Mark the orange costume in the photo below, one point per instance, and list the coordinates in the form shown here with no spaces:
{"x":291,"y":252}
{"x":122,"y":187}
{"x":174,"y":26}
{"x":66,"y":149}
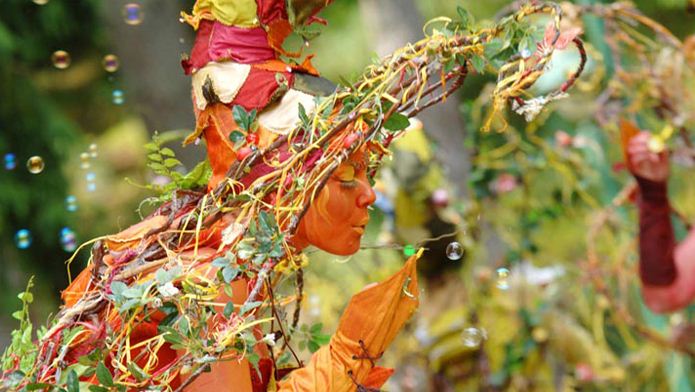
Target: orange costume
{"x":234,"y":64}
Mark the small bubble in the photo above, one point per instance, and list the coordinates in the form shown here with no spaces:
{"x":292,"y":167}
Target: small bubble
{"x":110,"y":63}
{"x":93,"y":152}
{"x":525,"y":53}
{"x":408,"y":250}
{"x":117,"y":97}
{"x":91,"y":186}
{"x":40,"y":2}
{"x":84,"y":161}
{"x":454,"y":251}
{"x":10,"y":161}
{"x":68,"y":240}
{"x":22,"y":239}
{"x":35,"y":164}
{"x":90,"y":177}
{"x":71,"y":203}
{"x":503,"y":278}
{"x":472,"y":337}
{"x":182,"y":41}
{"x":60,"y":59}
{"x":132,"y":14}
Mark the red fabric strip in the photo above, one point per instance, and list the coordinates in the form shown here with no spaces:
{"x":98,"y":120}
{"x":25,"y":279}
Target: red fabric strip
{"x":216,"y":41}
{"x":261,"y":88}
{"x":656,"y":239}
{"x":269,"y":10}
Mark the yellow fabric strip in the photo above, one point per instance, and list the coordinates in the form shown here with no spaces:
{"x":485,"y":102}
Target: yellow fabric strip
{"x":242,"y":13}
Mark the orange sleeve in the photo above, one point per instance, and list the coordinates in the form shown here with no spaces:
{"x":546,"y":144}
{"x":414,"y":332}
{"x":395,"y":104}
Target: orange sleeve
{"x":369,"y":324}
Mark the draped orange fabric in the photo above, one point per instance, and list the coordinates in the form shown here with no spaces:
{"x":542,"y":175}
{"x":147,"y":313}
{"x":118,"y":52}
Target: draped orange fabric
{"x":369,"y":324}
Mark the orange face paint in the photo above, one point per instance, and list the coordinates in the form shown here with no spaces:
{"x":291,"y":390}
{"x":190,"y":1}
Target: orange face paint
{"x":336,"y":221}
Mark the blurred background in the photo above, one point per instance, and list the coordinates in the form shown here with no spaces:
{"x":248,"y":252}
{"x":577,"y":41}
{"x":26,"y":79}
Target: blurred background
{"x":508,"y":301}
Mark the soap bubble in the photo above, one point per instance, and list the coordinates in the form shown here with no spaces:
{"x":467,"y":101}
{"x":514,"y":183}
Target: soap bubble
{"x":110,"y":63}
{"x":132,"y":14}
{"x":84,"y":161}
{"x":10,"y":161}
{"x":68,"y":239}
{"x":60,"y":59}
{"x":22,"y":238}
{"x":40,"y":2}
{"x":90,"y":177}
{"x":117,"y":97}
{"x":91,"y":186}
{"x":502,"y":278}
{"x":454,"y":251}
{"x":93,"y":152}
{"x":71,"y":203}
{"x":35,"y":164}
{"x":472,"y":337}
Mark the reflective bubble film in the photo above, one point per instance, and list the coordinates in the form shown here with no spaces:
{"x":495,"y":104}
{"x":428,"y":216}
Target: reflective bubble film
{"x":454,"y":251}
{"x":117,"y":97}
{"x":10,"y":161}
{"x":110,"y":63}
{"x":93,"y":151}
{"x":68,"y":239}
{"x":61,"y":59}
{"x":71,"y":203}
{"x":502,"y":278}
{"x":22,"y":239}
{"x":35,"y":164}
{"x":84,"y":161}
{"x":472,"y":337}
{"x":132,"y":14}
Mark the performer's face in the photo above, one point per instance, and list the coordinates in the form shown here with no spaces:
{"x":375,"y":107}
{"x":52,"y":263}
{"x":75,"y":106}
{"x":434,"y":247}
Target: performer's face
{"x":336,"y":220}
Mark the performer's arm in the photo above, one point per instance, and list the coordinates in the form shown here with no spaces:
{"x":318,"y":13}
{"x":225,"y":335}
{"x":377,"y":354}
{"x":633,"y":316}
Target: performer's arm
{"x":667,"y":269}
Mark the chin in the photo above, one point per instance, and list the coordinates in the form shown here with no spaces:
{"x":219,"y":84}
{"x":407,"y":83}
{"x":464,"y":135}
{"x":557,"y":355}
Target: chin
{"x":342,"y":247}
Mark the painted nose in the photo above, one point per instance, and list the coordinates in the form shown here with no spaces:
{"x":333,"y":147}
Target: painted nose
{"x":366,"y":196}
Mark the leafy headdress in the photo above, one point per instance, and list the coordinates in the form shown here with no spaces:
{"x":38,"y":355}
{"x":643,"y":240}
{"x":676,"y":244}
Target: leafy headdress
{"x":164,"y":274}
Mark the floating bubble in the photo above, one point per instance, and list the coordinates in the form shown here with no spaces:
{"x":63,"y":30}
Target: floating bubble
{"x":408,"y":250}
{"x":502,"y":278}
{"x":182,"y":41}
{"x":91,"y":186}
{"x":117,"y":97}
{"x":472,"y":337}
{"x":40,"y":2}
{"x":454,"y":251}
{"x":71,"y":203}
{"x":60,"y":59}
{"x":22,"y":238}
{"x":90,"y":177}
{"x":10,"y":161}
{"x":93,"y":151}
{"x":84,"y":161}
{"x":110,"y":63}
{"x":35,"y":164}
{"x":132,"y":14}
{"x":68,"y":239}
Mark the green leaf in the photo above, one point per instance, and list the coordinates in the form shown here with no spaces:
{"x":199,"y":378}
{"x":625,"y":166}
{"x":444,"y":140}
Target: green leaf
{"x":303,"y":116}
{"x":313,"y":346}
{"x":171,"y":162}
{"x":184,"y":325}
{"x":139,"y":374}
{"x":220,"y":262}
{"x":166,"y":151}
{"x":237,"y":136}
{"x":316,"y":328}
{"x":228,"y":309}
{"x":396,"y":122}
{"x":478,"y":63}
{"x":117,"y":288}
{"x":154,"y":157}
{"x":248,"y":306}
{"x":73,"y":382}
{"x":104,"y":375}
{"x":96,"y":388}
{"x":19,"y":315}
{"x":157,"y":167}
{"x":26,"y":297}
{"x":151,"y":147}
{"x":229,"y":273}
